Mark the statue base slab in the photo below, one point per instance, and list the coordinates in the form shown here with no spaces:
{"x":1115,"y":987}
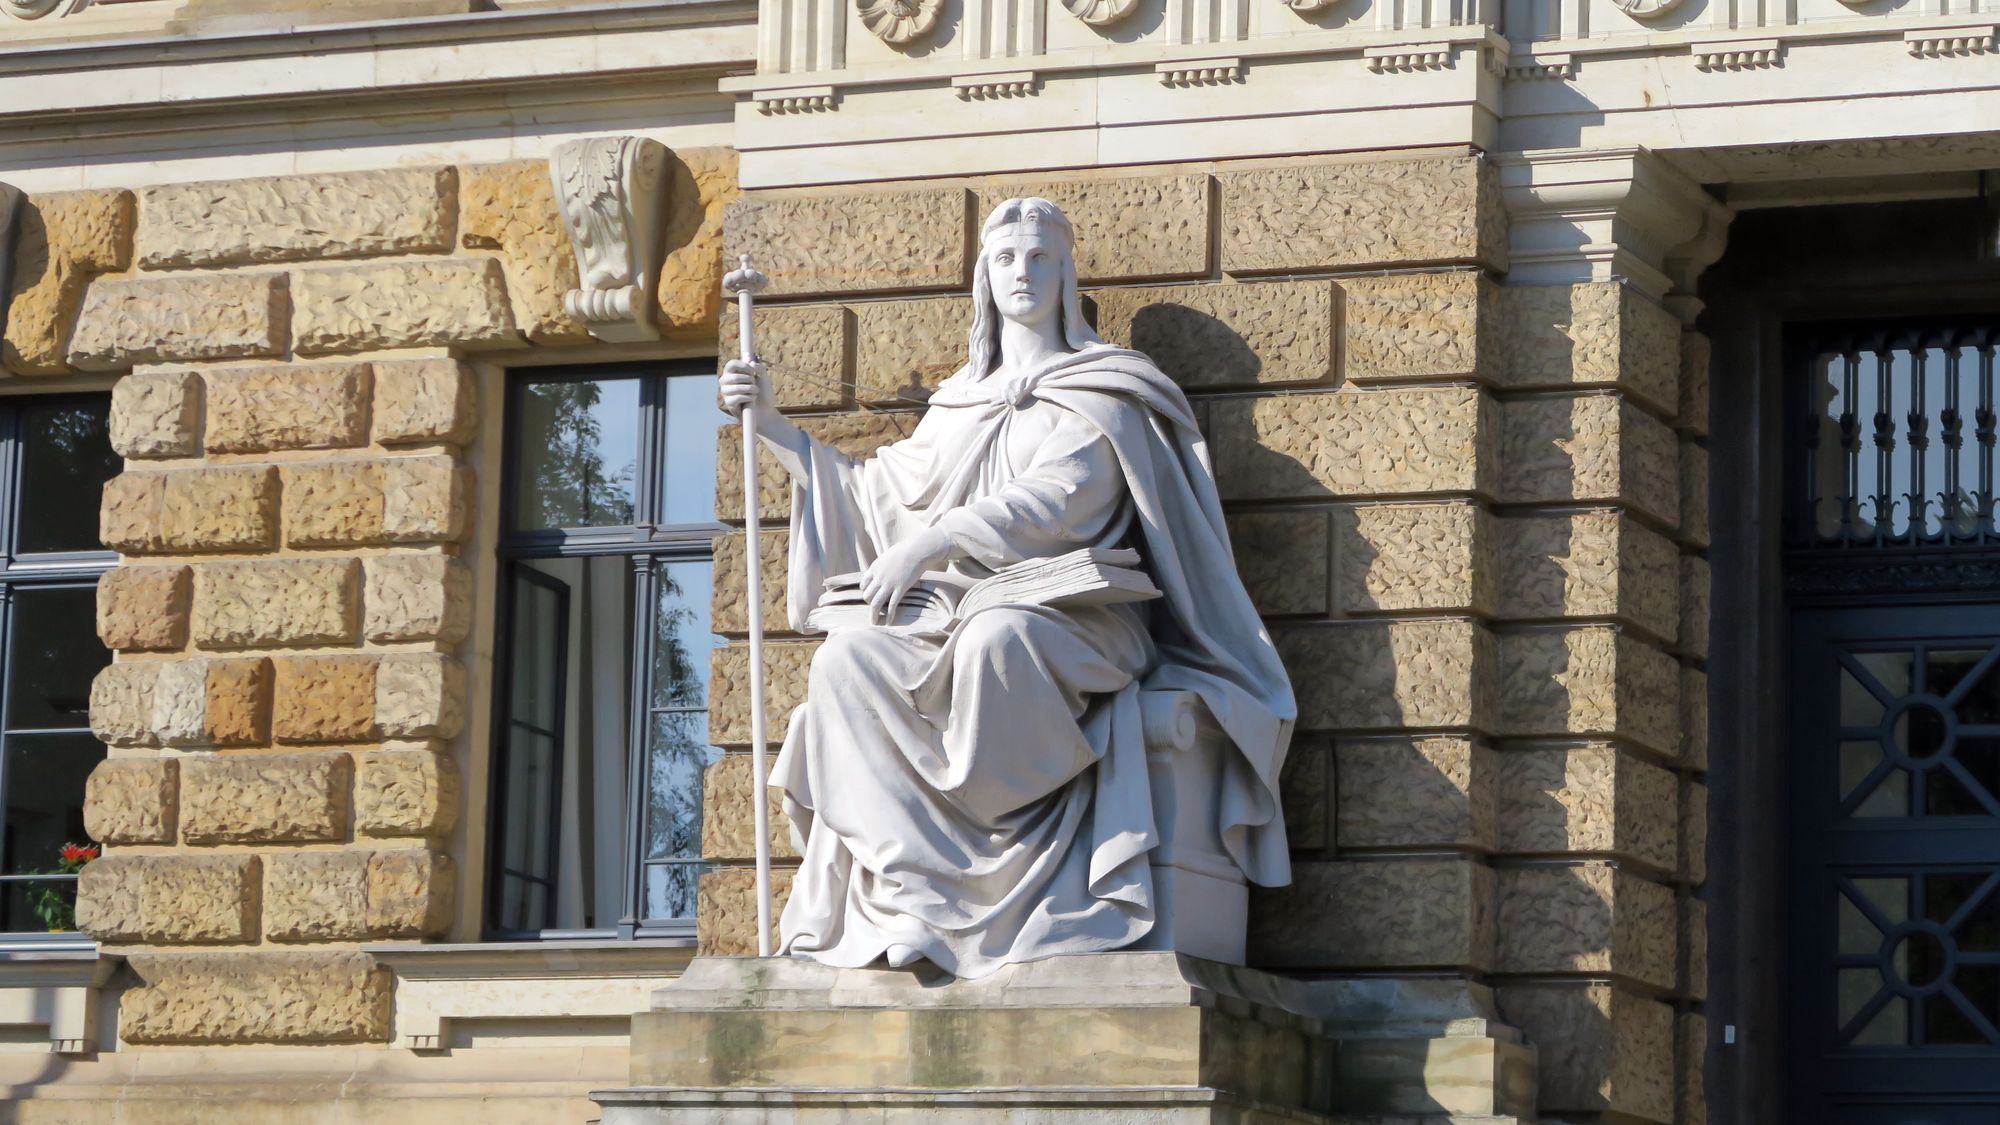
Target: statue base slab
{"x":1105,"y":1038}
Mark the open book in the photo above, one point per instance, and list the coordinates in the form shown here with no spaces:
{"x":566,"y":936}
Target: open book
{"x":940,"y":600}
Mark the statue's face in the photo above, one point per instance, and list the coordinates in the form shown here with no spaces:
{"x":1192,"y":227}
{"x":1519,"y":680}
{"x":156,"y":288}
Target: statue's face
{"x":1026,"y":272}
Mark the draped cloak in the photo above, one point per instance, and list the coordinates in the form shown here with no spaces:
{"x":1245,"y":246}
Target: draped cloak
{"x":982,"y":798}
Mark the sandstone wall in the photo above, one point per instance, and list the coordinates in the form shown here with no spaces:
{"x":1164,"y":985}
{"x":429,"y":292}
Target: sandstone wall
{"x":286,"y":708}
{"x":1471,"y":513}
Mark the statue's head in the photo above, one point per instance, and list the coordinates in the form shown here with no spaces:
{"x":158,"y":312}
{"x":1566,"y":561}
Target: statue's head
{"x":1026,"y":273}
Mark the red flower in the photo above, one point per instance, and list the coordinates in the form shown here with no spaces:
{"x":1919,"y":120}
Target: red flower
{"x":79,"y":853}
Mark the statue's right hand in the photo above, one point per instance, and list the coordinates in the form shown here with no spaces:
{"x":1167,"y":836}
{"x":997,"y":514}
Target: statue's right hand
{"x":743,"y":383}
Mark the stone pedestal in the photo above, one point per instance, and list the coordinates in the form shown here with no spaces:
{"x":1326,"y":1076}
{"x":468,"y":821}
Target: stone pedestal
{"x":1110,"y":1038}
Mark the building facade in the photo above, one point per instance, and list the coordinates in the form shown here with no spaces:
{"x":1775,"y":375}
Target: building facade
{"x":1602,"y":393}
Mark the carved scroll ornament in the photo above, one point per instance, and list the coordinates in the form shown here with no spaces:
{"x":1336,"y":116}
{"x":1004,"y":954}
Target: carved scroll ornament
{"x":897,"y":22}
{"x":611,"y":192}
{"x":1101,"y":13}
{"x":36,"y":9}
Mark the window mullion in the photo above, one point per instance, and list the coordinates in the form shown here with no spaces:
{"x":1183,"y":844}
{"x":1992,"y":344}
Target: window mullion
{"x":6,"y":709}
{"x":645,"y":607}
{"x":646,"y":491}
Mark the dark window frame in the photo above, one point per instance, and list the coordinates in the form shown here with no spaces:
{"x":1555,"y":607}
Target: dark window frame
{"x":41,"y":570}
{"x":647,"y":543}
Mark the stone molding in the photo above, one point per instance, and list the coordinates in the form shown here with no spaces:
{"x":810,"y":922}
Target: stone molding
{"x":612,"y":194}
{"x":54,"y":995}
{"x":439,"y":986}
{"x":1617,"y":215}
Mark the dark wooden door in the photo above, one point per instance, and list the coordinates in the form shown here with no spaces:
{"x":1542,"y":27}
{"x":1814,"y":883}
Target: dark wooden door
{"x":1895,"y":871}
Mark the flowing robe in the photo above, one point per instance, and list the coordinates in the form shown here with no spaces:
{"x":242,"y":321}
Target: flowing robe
{"x":982,"y":798}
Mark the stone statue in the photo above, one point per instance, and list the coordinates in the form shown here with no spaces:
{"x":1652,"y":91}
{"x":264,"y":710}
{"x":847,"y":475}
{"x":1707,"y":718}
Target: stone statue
{"x":983,"y":795}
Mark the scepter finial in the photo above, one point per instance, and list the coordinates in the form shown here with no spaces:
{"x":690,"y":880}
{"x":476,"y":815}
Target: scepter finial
{"x":744,"y":279}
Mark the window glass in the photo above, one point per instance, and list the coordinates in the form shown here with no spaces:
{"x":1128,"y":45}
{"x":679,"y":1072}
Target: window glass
{"x":688,"y":475}
{"x":53,"y":654}
{"x":602,"y":760}
{"x":66,"y":457}
{"x":578,"y":450}
{"x":43,"y":776}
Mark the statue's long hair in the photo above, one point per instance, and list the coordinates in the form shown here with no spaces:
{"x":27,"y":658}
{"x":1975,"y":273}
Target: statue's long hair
{"x":984,"y":352}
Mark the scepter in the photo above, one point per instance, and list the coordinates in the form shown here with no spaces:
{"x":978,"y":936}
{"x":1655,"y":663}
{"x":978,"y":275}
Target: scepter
{"x":744,"y":282}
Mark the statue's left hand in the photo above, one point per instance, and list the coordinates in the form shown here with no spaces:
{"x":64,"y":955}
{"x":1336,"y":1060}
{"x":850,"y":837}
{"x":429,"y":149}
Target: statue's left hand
{"x":890,"y":576}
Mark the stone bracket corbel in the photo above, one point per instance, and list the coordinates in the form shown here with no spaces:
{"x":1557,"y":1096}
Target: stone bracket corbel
{"x":1611,"y":215}
{"x":612,"y":192}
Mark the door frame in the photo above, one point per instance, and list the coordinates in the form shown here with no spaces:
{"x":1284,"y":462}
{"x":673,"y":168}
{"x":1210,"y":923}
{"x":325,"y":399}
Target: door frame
{"x":1782,"y":267}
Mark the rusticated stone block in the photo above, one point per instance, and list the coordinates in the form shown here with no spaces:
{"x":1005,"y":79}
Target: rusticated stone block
{"x":144,"y":607}
{"x":854,"y":243}
{"x":1693,"y":976}
{"x":728,"y":818}
{"x":1690,"y":1086}
{"x":61,"y":242}
{"x":180,"y":319}
{"x":121,"y":704}
{"x":1600,"y":1047}
{"x":511,"y":208}
{"x":1591,"y":800}
{"x":358,"y":895}
{"x":191,"y":510}
{"x":1694,"y":718}
{"x":128,"y":518}
{"x":1600,"y":333}
{"x":265,"y":798}
{"x":904,"y":349}
{"x":1400,"y":557}
{"x":1129,"y":227}
{"x":256,"y":998}
{"x":417,"y":598}
{"x":701,"y":184}
{"x":1284,"y":559}
{"x":726,"y":910}
{"x":236,"y":702}
{"x":183,"y":899}
{"x":310,"y":406}
{"x":1353,"y":443}
{"x":1694,"y":494}
{"x":1305,"y":791}
{"x":786,"y":667}
{"x":805,"y":347}
{"x":1694,"y":832}
{"x":181,"y":703}
{"x":1386,"y":675}
{"x":387,"y":500}
{"x":1414,"y":793}
{"x":1227,"y":335}
{"x":276,"y":603}
{"x":419,"y":695}
{"x":220,"y":509}
{"x":730,"y":611}
{"x":293,"y":218}
{"x":157,"y":415}
{"x":1376,"y":914}
{"x":1692,"y":416}
{"x":1589,"y":447}
{"x":1695,"y":593}
{"x":456,"y":302}
{"x":857,"y":435}
{"x":1586,"y":918}
{"x":405,"y":793}
{"x":1418,"y":326}
{"x":323,"y":699}
{"x":1346,"y":214}
{"x":132,"y":801}
{"x":421,"y":401}
{"x":1589,"y":681}
{"x":1589,"y":564}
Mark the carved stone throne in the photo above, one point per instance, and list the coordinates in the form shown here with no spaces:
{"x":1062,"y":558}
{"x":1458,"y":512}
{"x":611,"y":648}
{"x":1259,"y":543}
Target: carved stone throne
{"x":1201,"y":896}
